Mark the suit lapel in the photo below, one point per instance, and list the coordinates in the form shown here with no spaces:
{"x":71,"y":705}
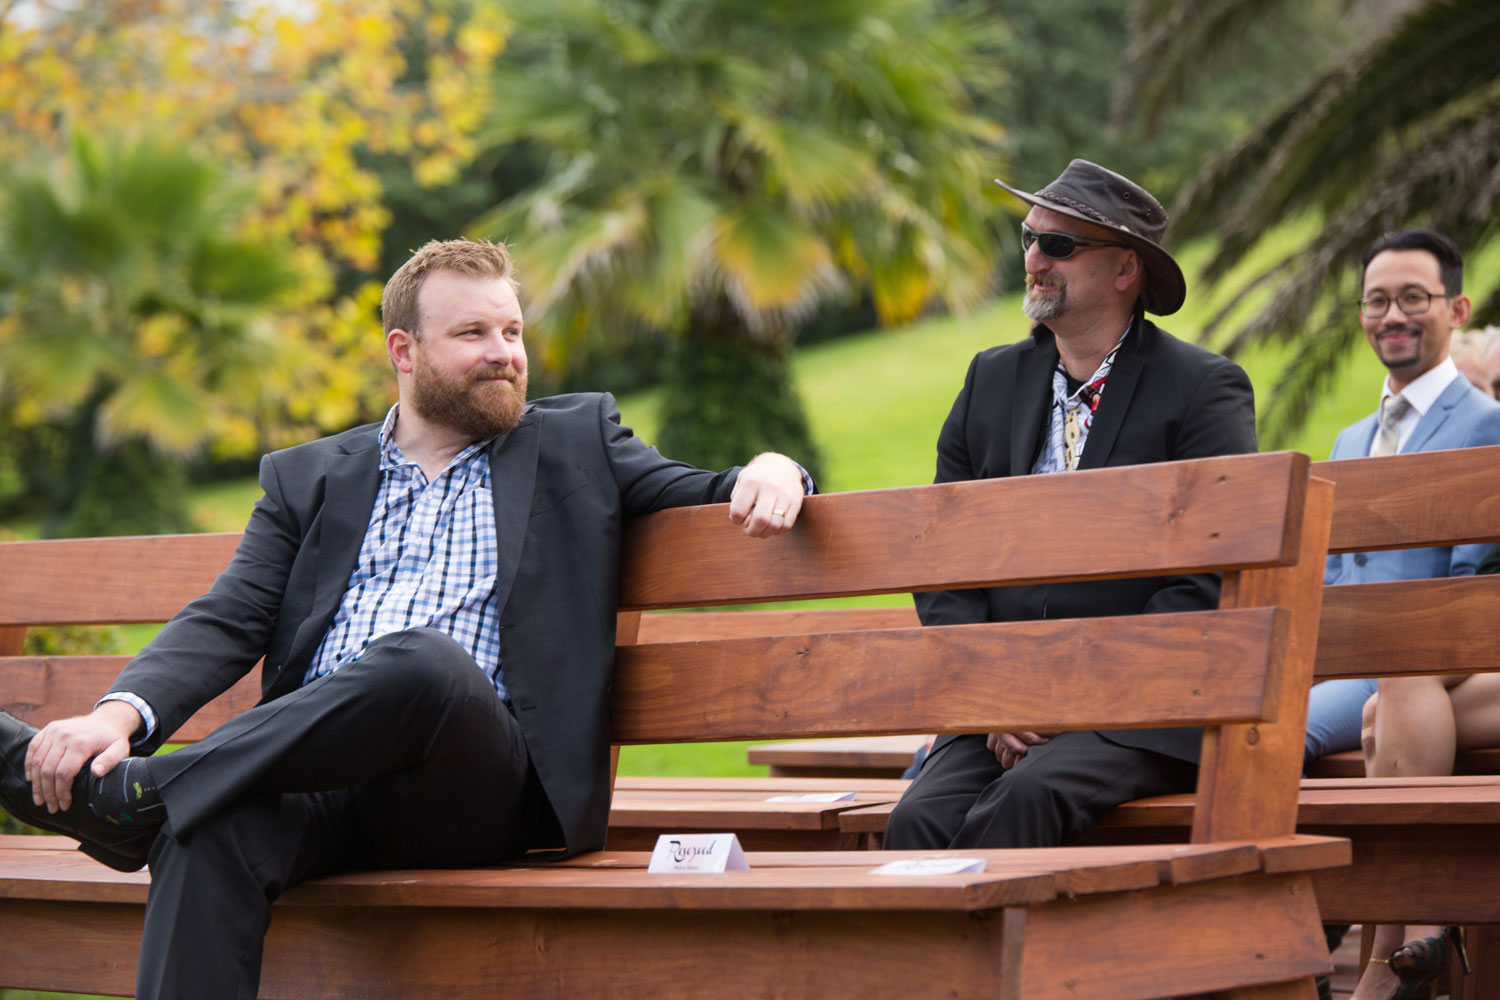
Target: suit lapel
{"x":513,"y":484}
{"x":1114,"y":402}
{"x":351,"y":484}
{"x":1029,"y":400}
{"x":1438,"y":415}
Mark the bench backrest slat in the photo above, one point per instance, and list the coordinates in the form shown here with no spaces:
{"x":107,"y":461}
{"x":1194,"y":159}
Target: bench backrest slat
{"x":1414,"y":501}
{"x":1449,"y":625}
{"x":1144,"y":670}
{"x":1182,"y":517}
{"x":43,"y":688}
{"x":115,"y":581}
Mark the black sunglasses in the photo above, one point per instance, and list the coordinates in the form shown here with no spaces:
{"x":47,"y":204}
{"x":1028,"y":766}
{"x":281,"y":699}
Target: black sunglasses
{"x":1061,"y":246}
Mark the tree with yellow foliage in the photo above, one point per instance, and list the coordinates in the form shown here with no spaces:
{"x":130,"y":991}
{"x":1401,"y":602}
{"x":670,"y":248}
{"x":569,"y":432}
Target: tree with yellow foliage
{"x":287,"y":103}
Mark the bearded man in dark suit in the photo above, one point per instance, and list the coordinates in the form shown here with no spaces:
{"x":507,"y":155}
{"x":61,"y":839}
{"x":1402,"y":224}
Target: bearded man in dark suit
{"x":434,"y":599}
{"x":1095,"y":385}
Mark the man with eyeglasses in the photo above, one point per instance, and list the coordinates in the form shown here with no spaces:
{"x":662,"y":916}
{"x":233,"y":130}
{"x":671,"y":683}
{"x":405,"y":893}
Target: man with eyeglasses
{"x":1411,"y":302}
{"x":1095,"y":385}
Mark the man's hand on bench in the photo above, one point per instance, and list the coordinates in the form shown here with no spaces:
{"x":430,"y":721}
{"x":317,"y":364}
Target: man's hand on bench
{"x":767,"y":495}
{"x":1009,"y":748}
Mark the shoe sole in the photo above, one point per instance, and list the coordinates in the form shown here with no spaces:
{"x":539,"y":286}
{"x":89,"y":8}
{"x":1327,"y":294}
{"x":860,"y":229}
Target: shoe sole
{"x":104,"y":853}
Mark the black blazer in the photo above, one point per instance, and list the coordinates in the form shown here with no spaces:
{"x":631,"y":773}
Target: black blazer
{"x":564,"y":481}
{"x":1165,"y":400}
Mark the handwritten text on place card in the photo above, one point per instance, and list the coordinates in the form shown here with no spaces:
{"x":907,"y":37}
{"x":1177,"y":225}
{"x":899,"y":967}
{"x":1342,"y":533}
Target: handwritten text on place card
{"x":697,"y":852}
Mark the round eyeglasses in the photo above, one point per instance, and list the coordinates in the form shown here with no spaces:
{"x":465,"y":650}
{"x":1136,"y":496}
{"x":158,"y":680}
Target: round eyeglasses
{"x":1411,"y":302}
{"x":1061,"y":246}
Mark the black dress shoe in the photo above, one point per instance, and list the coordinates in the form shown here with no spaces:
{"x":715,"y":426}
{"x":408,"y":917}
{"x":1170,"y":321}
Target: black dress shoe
{"x":122,"y":846}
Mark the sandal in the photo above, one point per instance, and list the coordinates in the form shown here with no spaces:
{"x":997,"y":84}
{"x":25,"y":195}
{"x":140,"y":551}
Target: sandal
{"x":1419,"y":964}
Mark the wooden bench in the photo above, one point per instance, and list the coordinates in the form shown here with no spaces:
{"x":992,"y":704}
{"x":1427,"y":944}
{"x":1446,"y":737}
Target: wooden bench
{"x":1367,"y":506}
{"x":1425,"y":849}
{"x":1230,"y":911}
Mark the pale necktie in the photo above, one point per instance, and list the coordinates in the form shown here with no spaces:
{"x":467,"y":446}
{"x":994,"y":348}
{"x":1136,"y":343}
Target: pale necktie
{"x":1388,"y":438}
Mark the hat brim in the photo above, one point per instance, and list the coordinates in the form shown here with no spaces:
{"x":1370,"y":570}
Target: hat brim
{"x":1165,"y":288}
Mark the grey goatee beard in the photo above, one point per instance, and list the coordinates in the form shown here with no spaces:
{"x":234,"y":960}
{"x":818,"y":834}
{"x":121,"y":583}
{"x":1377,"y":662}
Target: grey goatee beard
{"x":1040,"y":307}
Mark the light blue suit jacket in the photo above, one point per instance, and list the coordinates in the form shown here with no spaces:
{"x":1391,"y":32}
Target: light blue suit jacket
{"x":1462,"y":417}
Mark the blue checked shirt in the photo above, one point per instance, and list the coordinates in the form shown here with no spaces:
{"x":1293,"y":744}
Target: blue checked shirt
{"x":428,"y":561}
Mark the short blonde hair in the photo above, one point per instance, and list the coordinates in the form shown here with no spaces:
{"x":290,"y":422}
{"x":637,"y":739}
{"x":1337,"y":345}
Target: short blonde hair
{"x":481,"y":258}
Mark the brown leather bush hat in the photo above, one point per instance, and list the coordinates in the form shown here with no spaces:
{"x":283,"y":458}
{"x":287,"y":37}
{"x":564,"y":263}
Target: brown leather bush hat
{"x":1089,"y":192}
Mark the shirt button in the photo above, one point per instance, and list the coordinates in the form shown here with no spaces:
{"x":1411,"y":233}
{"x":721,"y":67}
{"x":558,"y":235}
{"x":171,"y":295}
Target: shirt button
{"x":1360,"y":559}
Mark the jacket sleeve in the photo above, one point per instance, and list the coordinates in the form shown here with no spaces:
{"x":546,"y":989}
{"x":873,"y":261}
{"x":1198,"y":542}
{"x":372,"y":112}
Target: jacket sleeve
{"x":648,"y":481}
{"x":218,"y":637}
{"x":954,"y":607}
{"x":1219,"y":420}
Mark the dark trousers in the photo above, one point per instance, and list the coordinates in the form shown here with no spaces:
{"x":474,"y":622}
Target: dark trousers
{"x":404,"y":759}
{"x":963,"y":799}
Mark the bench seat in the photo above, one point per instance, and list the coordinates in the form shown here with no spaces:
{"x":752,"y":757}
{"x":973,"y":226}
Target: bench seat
{"x":805,"y":924}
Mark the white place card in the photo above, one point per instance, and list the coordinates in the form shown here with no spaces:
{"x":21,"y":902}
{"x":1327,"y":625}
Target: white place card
{"x":697,"y":852}
{"x":930,"y":866}
{"x":814,"y":797}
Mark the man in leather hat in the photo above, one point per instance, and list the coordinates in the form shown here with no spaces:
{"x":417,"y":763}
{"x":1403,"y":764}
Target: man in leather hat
{"x":1095,"y":385}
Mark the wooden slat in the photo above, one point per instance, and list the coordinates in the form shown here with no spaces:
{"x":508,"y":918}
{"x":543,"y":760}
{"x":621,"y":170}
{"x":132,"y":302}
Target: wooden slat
{"x":107,"y":581}
{"x":1407,"y":874}
{"x":1441,"y":801}
{"x":1447,"y":625}
{"x":1351,"y":764}
{"x":764,"y":786}
{"x":1170,"y":517}
{"x":854,"y":752}
{"x":688,"y":627}
{"x":313,"y":953}
{"x":817,"y":887}
{"x":1304,"y":852}
{"x":1088,"y":673}
{"x":40,"y":689}
{"x":705,"y":815}
{"x":1413,"y":501}
{"x":1182,"y":940}
{"x":1453,"y":780}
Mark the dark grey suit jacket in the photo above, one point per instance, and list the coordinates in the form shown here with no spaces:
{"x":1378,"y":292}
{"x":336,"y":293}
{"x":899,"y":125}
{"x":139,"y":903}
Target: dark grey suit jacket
{"x":564,"y":481}
{"x":1165,"y":400}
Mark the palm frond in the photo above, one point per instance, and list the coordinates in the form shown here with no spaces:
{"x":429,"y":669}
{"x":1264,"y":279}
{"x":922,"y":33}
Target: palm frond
{"x":1317,"y":152}
{"x":1444,"y":174}
{"x":774,"y":269}
{"x":1172,"y":45}
{"x":171,"y":412}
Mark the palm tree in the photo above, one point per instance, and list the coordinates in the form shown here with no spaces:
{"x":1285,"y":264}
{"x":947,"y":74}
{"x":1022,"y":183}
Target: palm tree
{"x":721,"y":169}
{"x":133,"y":323}
{"x":1406,"y":131}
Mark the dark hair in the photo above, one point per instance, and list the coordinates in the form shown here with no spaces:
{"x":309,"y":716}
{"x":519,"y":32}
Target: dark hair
{"x":1450,"y":261}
